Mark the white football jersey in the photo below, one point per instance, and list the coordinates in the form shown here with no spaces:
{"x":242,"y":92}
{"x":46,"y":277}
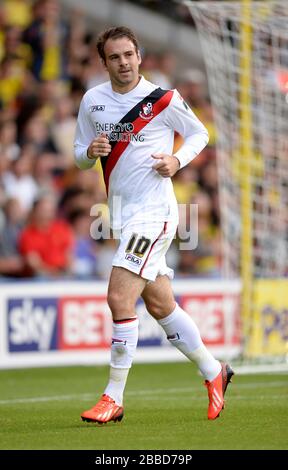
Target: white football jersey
{"x":138,"y":124}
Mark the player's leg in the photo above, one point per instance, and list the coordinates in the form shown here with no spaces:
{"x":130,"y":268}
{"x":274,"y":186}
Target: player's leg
{"x":124,"y":289}
{"x":179,"y":327}
{"x":183,"y":333}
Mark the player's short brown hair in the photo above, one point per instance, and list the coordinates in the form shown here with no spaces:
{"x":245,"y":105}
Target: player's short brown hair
{"x":115,"y":33}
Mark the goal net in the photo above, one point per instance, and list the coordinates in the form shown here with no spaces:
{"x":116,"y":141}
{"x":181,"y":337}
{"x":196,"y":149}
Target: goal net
{"x":245,"y":49}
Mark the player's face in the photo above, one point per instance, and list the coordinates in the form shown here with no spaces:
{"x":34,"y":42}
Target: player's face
{"x":122,"y":64}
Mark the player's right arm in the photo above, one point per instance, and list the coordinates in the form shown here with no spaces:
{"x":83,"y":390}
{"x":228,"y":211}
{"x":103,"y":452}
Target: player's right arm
{"x":99,"y":147}
{"x":87,"y":147}
{"x":181,"y":118}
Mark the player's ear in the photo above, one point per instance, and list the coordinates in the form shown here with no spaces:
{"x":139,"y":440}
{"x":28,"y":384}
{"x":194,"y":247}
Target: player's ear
{"x":104,"y":63}
{"x":139,"y":57}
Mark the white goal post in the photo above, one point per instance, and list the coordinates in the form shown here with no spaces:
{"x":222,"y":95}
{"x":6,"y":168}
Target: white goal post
{"x":245,"y":49}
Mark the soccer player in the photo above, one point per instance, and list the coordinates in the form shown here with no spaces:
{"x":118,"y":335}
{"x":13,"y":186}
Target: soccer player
{"x":129,"y":124}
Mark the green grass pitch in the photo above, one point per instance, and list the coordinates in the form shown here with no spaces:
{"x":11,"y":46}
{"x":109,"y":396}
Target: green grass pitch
{"x":165,"y":408}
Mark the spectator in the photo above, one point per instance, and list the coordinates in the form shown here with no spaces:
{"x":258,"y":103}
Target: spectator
{"x":17,"y":12}
{"x":36,"y":133}
{"x":85,"y":248}
{"x":148,"y":65}
{"x":47,"y":37}
{"x":12,"y":81}
{"x":11,"y":263}
{"x":204,"y":260}
{"x":47,"y":242}
{"x":19,"y":182}
{"x":45,"y":173}
{"x":185,"y":184}
{"x":63,"y":129}
{"x":163,"y":74}
{"x":191,"y":84}
{"x":107,"y":249}
{"x":8,"y":135}
{"x":94,"y":72}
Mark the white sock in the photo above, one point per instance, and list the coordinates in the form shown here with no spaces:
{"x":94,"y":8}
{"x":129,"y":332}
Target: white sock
{"x":124,"y":343}
{"x":183,"y":333}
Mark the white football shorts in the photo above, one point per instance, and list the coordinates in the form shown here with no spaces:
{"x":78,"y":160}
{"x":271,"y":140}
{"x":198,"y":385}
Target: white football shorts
{"x":143,"y":247}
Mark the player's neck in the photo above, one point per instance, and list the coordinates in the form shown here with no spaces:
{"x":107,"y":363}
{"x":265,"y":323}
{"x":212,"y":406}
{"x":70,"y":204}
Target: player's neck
{"x":122,"y":89}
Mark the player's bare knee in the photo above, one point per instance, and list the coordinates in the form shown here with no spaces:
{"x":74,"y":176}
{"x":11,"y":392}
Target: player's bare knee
{"x":120,"y":305}
{"x":158,"y":310}
{"x":116,"y":301}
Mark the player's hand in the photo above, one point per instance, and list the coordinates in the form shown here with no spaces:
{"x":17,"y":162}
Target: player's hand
{"x":99,"y":147}
{"x":166,"y":165}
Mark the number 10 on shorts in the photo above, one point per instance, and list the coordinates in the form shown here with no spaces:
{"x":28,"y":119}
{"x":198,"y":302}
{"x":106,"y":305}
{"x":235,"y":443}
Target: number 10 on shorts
{"x":138,"y":245}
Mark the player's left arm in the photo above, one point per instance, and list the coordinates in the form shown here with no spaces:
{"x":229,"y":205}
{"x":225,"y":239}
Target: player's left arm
{"x":166,"y":165}
{"x":181,"y":118}
{"x":84,"y":135}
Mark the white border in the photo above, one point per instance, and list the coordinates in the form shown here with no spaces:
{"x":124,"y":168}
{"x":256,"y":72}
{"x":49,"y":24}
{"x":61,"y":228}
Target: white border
{"x":74,"y":288}
{"x":96,"y":356}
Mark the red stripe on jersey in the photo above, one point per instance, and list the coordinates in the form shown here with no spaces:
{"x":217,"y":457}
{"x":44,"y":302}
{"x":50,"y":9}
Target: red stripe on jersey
{"x":153,"y":244}
{"x":139,"y":124}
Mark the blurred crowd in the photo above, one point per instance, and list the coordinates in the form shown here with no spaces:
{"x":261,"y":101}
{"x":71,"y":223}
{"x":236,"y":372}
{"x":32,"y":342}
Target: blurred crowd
{"x":47,"y":64}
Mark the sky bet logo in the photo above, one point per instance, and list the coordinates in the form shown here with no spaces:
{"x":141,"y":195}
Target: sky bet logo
{"x":32,"y":324}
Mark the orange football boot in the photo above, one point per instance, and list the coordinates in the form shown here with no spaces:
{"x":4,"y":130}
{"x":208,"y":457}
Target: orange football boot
{"x":104,"y":411}
{"x":216,"y":390}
